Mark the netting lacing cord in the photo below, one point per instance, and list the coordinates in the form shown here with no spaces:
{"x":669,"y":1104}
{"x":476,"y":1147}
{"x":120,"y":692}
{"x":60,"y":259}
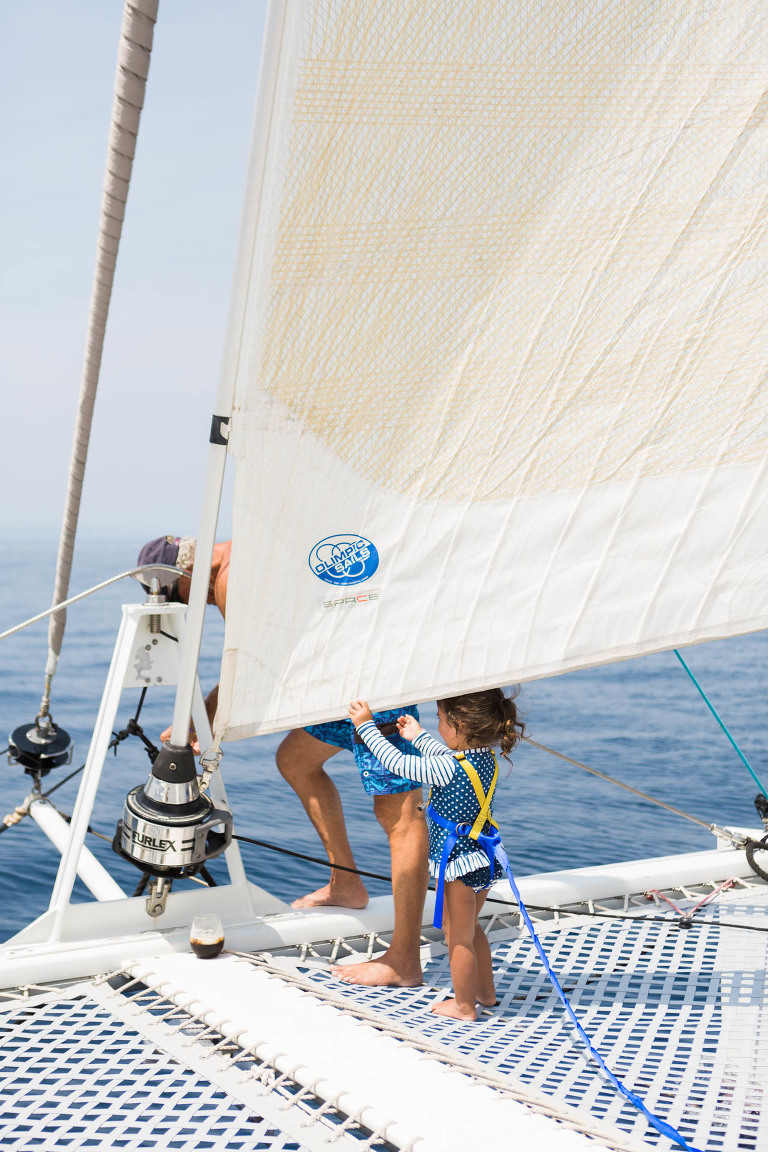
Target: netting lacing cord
{"x":272,"y":1071}
{"x":475,"y":1069}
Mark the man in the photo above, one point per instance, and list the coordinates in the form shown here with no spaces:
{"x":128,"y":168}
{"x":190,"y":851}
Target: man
{"x":301,"y":759}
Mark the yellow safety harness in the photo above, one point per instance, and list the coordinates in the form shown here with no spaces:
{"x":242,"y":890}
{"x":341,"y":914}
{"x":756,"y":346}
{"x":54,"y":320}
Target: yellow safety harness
{"x":475,"y":832}
{"x":483,"y":798}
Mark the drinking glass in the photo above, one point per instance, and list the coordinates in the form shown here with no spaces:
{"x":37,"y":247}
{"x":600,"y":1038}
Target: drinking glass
{"x":206,"y":936}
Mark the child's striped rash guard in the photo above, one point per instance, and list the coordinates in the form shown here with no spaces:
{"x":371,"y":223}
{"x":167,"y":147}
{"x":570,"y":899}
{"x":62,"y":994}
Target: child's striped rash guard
{"x":452,"y":797}
{"x":435,"y":764}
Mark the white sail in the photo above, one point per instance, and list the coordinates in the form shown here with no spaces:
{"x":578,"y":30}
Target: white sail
{"x":500,"y":401}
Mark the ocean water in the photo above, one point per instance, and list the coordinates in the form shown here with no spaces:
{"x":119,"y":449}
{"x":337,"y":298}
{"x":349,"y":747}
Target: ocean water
{"x":641,"y":721}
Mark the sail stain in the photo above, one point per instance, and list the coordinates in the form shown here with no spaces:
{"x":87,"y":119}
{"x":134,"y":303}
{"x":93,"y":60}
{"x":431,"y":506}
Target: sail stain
{"x":548,"y":245}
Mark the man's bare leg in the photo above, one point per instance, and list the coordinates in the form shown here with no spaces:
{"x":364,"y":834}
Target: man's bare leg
{"x":406,"y":830}
{"x":300,"y":759}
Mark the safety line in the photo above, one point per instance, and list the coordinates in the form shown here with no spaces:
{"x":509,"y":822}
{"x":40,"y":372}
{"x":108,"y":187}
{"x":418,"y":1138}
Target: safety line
{"x":659,"y":1124}
{"x":712,"y":709}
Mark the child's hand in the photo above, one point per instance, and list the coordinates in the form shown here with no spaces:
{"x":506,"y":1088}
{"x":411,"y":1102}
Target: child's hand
{"x":359,"y":712}
{"x":408,"y":727}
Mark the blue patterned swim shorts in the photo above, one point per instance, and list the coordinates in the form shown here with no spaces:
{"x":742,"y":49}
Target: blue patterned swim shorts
{"x":377,"y":780}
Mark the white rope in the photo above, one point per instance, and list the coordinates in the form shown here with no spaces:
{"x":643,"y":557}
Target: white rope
{"x":18,"y":813}
{"x":130,"y":81}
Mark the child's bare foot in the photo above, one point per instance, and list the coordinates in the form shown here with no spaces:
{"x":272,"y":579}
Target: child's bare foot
{"x":451,"y":1008}
{"x":489,"y":1003}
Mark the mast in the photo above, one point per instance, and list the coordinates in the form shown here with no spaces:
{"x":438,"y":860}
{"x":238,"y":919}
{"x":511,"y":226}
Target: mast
{"x":136,"y":35}
{"x":220,"y":423}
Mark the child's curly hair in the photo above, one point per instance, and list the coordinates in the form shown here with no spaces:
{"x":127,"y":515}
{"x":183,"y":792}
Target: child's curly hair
{"x":487,"y":719}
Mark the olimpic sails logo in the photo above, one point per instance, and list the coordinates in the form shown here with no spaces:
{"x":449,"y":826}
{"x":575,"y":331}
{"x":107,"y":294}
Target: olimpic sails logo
{"x":344,"y":559}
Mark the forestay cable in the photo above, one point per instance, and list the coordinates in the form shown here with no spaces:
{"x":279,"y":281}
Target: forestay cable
{"x":130,"y":81}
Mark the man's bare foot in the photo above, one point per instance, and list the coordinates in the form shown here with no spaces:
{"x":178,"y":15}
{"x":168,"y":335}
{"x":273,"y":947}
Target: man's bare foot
{"x":450,"y":1008}
{"x":378,"y":973}
{"x":355,"y":896}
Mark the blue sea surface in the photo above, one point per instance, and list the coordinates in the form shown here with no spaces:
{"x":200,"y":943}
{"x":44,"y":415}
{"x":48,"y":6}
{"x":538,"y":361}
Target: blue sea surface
{"x":641,"y":721}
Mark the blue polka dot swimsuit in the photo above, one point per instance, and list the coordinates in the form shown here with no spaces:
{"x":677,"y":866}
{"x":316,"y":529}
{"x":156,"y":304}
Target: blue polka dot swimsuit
{"x":453,"y":797}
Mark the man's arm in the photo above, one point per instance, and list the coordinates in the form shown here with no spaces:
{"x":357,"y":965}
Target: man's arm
{"x":221,"y":580}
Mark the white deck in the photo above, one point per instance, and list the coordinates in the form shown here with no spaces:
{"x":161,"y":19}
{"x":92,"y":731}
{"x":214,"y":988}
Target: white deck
{"x":275,"y":1053}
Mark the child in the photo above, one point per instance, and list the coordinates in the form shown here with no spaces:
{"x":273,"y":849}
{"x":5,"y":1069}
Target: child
{"x":470,"y":724}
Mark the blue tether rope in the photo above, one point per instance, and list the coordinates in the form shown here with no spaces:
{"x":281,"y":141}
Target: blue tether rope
{"x":709,"y":705}
{"x":494,"y":850}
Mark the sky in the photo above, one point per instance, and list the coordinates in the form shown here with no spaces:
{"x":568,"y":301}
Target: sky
{"x":166,"y":327}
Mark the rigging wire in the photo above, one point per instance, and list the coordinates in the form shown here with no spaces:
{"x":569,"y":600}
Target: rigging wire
{"x":737,"y":841}
{"x":598,"y":914}
{"x":388,"y":879}
{"x":712,"y":709}
{"x":65,"y":603}
{"x":134,"y":729}
{"x":22,"y":810}
{"x":311,"y":859}
{"x":45,"y":795}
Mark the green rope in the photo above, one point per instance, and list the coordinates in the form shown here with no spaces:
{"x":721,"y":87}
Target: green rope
{"x":735,"y":746}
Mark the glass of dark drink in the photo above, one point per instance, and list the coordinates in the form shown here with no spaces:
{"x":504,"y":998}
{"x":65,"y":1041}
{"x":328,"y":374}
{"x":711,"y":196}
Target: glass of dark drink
{"x":206,"y":936}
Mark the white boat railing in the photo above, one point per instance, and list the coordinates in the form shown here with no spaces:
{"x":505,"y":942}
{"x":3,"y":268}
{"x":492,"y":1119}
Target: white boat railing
{"x":92,"y":873}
